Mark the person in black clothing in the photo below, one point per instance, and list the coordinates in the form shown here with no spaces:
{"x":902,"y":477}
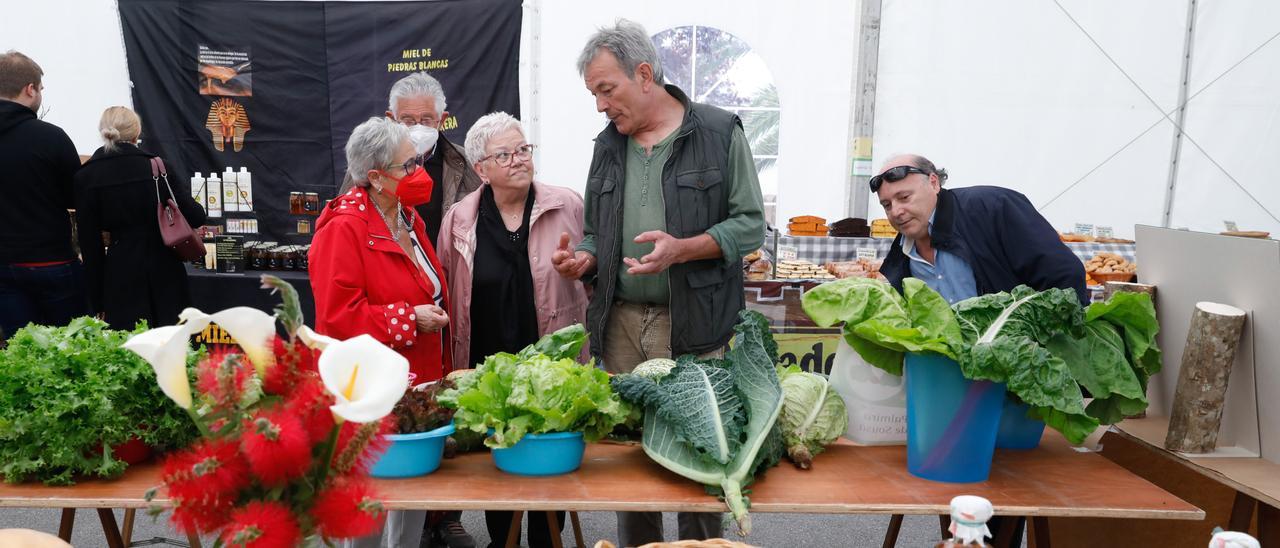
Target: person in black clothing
{"x":138,"y":277}
{"x":40,"y":276}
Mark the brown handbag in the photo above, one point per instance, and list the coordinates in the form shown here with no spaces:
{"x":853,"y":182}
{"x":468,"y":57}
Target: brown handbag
{"x":174,"y":230}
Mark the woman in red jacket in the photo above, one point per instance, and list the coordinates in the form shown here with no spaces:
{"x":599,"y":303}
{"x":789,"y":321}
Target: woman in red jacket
{"x":373,"y":270}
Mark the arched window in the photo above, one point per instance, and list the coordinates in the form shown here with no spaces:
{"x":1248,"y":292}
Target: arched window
{"x":717,"y":68}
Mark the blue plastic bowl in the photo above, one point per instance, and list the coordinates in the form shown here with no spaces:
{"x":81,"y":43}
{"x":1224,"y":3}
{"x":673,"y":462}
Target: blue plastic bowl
{"x":542,"y":454}
{"x":1017,"y":430}
{"x":412,"y":455}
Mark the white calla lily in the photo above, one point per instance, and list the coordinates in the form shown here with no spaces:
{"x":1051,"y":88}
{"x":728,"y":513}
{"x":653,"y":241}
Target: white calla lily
{"x":165,"y":348}
{"x":365,"y":377}
{"x":313,"y":340}
{"x":251,"y":328}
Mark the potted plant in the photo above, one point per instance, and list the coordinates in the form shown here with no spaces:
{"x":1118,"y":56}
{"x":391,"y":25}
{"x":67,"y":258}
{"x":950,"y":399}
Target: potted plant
{"x":421,"y":428}
{"x":539,"y":407}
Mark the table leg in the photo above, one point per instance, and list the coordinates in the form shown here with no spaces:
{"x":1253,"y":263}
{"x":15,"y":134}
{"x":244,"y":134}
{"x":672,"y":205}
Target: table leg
{"x":109,"y":528}
{"x":1005,"y":532}
{"x":1242,"y":513}
{"x":554,"y":528}
{"x":891,"y":534}
{"x":1041,"y":525}
{"x":194,"y":540}
{"x":577,"y":529}
{"x":67,"y":523}
{"x":513,"y":534}
{"x":1268,"y":525}
{"x":126,"y":531}
{"x":944,"y":523}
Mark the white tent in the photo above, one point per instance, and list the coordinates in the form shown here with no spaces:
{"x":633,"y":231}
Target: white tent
{"x":1072,"y":102}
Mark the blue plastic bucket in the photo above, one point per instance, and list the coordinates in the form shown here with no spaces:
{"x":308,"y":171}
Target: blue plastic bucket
{"x":547,"y":454}
{"x":951,"y":421}
{"x":1017,"y":430}
{"x":412,"y":455}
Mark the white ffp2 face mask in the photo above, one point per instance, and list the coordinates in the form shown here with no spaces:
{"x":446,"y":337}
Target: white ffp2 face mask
{"x":424,"y":138}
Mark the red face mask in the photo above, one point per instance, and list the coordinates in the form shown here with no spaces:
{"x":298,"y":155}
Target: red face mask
{"x":415,"y":188}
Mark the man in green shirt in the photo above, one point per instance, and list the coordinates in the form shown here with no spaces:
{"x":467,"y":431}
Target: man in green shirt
{"x":672,"y":205}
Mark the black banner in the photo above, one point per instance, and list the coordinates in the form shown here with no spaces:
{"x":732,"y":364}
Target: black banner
{"x":277,"y":87}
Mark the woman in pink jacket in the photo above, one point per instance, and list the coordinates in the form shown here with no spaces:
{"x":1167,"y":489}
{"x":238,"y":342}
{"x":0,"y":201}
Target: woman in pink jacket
{"x":495,"y":246}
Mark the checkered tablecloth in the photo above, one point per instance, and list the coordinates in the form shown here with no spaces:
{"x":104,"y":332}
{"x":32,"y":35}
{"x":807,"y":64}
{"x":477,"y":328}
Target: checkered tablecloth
{"x":822,"y":250}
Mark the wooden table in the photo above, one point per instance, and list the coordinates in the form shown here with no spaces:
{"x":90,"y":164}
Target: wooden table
{"x":1255,"y":480}
{"x":1054,"y":480}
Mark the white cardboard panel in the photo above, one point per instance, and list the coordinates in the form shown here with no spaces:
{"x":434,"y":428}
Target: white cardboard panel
{"x":1189,"y":267}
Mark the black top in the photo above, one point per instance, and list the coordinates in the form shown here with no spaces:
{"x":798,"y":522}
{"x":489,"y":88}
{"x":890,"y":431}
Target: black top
{"x":139,"y":278}
{"x":503,"y":317}
{"x":433,"y":212}
{"x":37,"y":164}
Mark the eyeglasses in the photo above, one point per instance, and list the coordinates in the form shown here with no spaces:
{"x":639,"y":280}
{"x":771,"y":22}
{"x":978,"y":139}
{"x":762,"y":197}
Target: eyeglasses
{"x":893,"y":175}
{"x":503,"y":159}
{"x":409,"y":166}
{"x":424,"y":121}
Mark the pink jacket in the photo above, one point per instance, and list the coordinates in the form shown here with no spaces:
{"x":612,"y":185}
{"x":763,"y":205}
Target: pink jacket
{"x":560,"y":302}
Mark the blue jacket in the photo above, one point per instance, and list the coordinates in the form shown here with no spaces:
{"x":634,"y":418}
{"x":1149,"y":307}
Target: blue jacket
{"x":1002,"y":237}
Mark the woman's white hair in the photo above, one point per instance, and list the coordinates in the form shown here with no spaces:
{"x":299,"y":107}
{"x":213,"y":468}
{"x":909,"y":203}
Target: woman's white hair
{"x":485,"y":129}
{"x":373,"y":145}
{"x":418,"y":84}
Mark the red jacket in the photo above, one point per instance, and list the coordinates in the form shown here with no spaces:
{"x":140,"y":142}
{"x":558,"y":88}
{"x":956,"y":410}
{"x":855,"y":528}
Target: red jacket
{"x":365,"y":284}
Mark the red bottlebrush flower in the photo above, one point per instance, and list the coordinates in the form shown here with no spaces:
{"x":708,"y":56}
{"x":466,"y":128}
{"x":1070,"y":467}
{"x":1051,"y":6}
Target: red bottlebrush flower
{"x":222,"y":378}
{"x":212,"y":467}
{"x":360,"y":445}
{"x":310,"y":401}
{"x":347,"y":509}
{"x":276,"y":446}
{"x":262,"y":525}
{"x":291,"y":360}
{"x":195,"y":509}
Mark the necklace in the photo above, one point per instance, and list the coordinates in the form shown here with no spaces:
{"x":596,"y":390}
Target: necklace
{"x":394,"y":228}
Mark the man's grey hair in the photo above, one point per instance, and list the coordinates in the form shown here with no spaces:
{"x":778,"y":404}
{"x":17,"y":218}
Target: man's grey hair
{"x":418,"y":84}
{"x":926,"y":166}
{"x":485,"y":129}
{"x":628,"y":42}
{"x":373,"y":145}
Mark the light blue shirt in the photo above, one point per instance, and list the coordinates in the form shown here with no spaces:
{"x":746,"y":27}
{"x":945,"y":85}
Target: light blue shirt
{"x":949,"y":275}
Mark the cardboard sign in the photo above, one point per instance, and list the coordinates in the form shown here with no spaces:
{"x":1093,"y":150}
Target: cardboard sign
{"x":1104,"y":232}
{"x":788,"y":253}
{"x":868,"y":253}
{"x":1084,"y":229}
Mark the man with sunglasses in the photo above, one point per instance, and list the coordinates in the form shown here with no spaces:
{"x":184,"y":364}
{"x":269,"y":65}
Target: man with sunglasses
{"x":969,"y":241}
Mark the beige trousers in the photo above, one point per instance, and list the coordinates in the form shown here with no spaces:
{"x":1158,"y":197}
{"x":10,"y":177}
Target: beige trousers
{"x":637,"y":333}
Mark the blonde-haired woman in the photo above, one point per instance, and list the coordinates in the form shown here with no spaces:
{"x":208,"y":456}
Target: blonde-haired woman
{"x":135,"y":277}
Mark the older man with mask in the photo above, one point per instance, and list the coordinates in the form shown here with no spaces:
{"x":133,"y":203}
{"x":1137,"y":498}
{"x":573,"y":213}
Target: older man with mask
{"x":969,"y":241}
{"x":672,"y":205}
{"x":417,"y":101}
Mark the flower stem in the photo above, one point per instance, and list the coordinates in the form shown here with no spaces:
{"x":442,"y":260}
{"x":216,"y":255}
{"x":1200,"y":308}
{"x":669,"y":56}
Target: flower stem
{"x":330,"y":446}
{"x":204,"y":430}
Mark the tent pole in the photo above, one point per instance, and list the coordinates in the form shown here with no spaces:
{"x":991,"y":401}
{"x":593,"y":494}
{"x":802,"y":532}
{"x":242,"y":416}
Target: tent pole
{"x":1176,"y":154}
{"x":863,"y":114}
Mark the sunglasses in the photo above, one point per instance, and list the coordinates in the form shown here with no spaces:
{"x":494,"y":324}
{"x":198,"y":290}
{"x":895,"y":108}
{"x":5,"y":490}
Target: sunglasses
{"x":893,"y":175}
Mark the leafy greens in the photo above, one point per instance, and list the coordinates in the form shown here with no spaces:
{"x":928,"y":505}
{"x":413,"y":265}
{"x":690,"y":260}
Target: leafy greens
{"x":712,"y":420}
{"x":68,"y":394}
{"x":539,"y":390}
{"x":1042,"y":345}
{"x":813,"y":414}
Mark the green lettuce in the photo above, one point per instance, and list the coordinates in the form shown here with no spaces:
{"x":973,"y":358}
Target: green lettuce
{"x":712,"y":420}
{"x":533,"y":392}
{"x":881,"y":324}
{"x":1040,"y":344}
{"x":813,"y":414}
